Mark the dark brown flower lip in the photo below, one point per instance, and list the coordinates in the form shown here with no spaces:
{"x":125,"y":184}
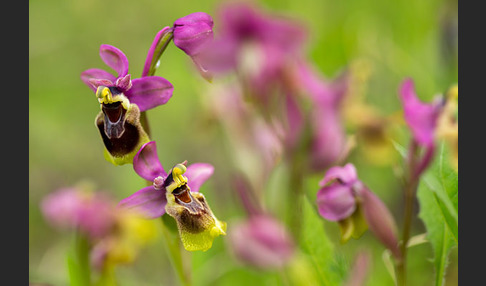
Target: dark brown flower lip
{"x":114,"y":115}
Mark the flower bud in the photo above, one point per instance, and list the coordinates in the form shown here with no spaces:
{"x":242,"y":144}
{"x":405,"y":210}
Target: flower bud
{"x":192,"y":33}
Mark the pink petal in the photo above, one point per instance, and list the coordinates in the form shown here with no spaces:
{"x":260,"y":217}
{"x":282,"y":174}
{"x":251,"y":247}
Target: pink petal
{"x":146,"y":162}
{"x":197,"y":174}
{"x":124,"y":83}
{"x":115,"y":59}
{"x":149,"y":92}
{"x":147,"y":201}
{"x":98,"y":74}
{"x":420,"y":117}
{"x":336,"y":202}
{"x":346,"y":174}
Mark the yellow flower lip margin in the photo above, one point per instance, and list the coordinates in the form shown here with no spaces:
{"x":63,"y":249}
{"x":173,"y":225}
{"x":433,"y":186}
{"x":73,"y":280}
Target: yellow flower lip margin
{"x":121,"y":150}
{"x":197,"y":225}
{"x":194,"y":241}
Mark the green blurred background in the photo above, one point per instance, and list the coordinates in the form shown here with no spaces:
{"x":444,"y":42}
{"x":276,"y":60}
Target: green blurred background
{"x":399,"y":38}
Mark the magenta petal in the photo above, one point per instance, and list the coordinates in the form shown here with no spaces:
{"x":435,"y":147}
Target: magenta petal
{"x":146,"y":162}
{"x":147,"y":201}
{"x":115,"y":59}
{"x":420,"y":117}
{"x":197,"y":174}
{"x":96,"y":74}
{"x":336,"y":202}
{"x":329,"y":140}
{"x":219,"y":56}
{"x":346,"y":174}
{"x":151,"y":51}
{"x":100,"y":82}
{"x":149,"y":92}
{"x":124,"y":83}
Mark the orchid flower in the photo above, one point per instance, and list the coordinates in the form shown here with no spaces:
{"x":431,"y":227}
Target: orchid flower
{"x":176,"y":193}
{"x":121,"y":100}
{"x":146,"y":92}
{"x":115,"y":235}
{"x":260,"y":240}
{"x":343,"y":198}
{"x":422,"y":119}
{"x":253,"y":44}
{"x":329,"y":144}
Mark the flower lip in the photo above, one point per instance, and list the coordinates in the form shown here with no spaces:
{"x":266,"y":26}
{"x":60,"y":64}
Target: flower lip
{"x":114,"y":113}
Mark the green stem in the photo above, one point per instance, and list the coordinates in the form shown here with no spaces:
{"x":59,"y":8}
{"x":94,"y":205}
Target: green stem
{"x":178,"y":258}
{"x":159,"y":50}
{"x":145,"y":123}
{"x":78,"y":261}
{"x":410,"y":193}
{"x":107,"y":277}
{"x":296,"y":195}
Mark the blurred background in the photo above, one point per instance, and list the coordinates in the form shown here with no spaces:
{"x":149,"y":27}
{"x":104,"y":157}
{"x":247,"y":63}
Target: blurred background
{"x":392,"y":39}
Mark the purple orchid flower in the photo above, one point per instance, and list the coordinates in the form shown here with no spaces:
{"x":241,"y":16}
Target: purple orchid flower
{"x":176,"y":192}
{"x":343,"y":198}
{"x":420,"y":117}
{"x":147,"y":92}
{"x":96,"y":216}
{"x":255,"y":45}
{"x":151,"y":201}
{"x":71,"y":208}
{"x":262,"y":241}
{"x":328,"y":137}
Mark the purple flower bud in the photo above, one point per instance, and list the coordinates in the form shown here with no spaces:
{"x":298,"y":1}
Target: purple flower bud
{"x":336,"y":199}
{"x":193,"y":32}
{"x":380,"y":221}
{"x":345,"y":199}
{"x":261,"y":241}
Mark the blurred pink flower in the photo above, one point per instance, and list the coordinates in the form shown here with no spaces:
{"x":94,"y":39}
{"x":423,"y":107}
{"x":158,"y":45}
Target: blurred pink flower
{"x":255,"y":45}
{"x":71,"y":208}
{"x":114,"y":235}
{"x":261,"y":241}
{"x":345,"y":199}
{"x":420,"y":117}
{"x":328,"y":138}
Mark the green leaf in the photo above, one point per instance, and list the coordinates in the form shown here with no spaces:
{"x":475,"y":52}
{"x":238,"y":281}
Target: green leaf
{"x":318,"y":247}
{"x":437,"y":195}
